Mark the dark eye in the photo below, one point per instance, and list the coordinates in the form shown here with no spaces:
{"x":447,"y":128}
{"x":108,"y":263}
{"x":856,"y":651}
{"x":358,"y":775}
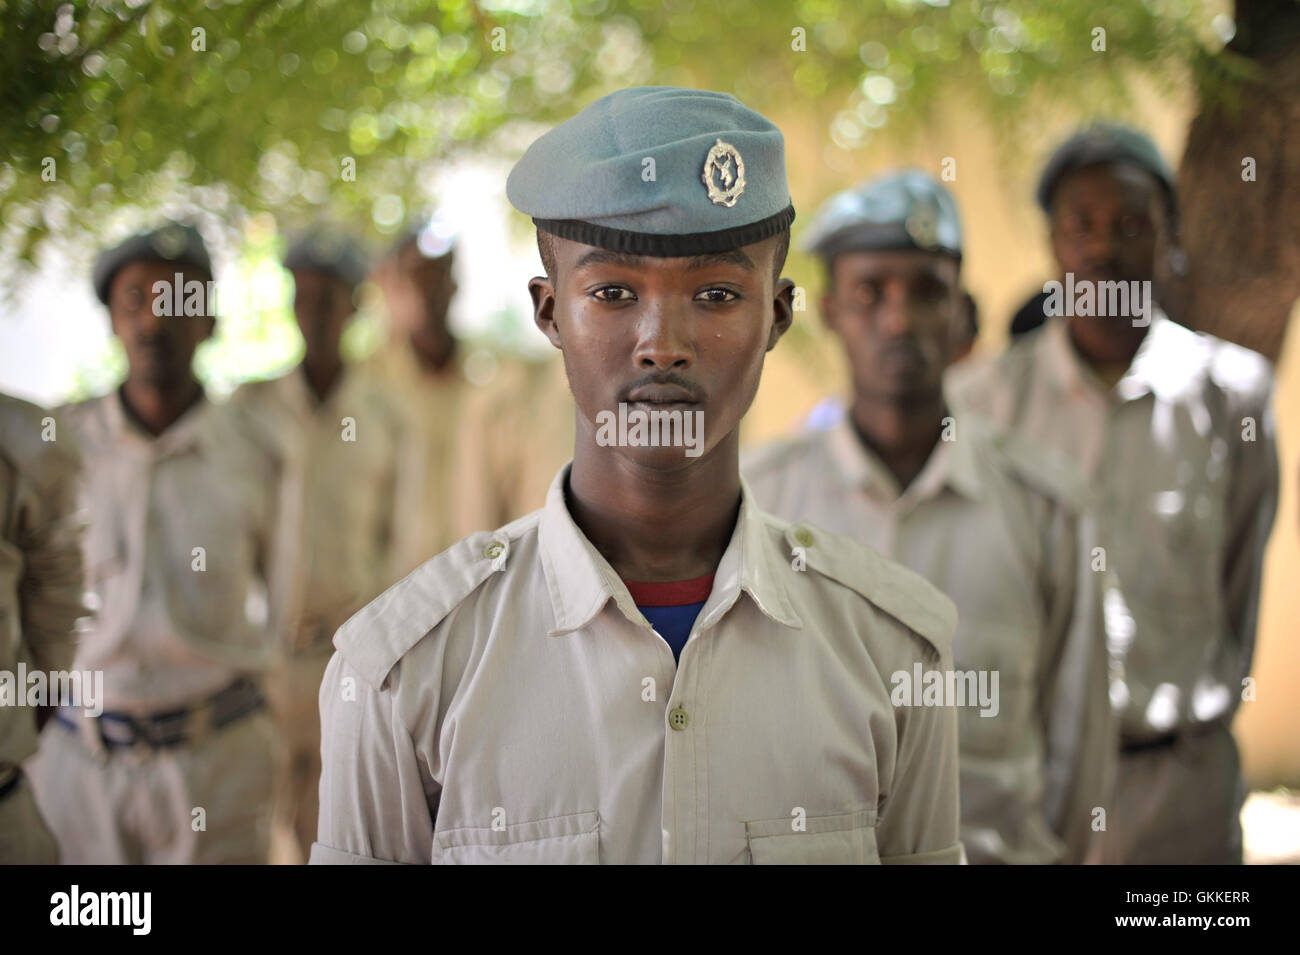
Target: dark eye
{"x":931,"y":291}
{"x":867,"y":293}
{"x":717,"y":295}
{"x":613,"y":293}
{"x":1075,"y":225}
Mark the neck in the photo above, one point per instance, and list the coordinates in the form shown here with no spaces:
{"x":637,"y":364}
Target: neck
{"x":322,"y":374}
{"x":432,"y":357}
{"x":156,"y":407}
{"x":901,"y":432}
{"x":1106,"y":353}
{"x":652,"y":525}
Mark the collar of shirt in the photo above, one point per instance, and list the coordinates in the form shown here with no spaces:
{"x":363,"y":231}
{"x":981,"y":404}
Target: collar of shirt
{"x":397,"y":367}
{"x":951,"y":464}
{"x":580,"y":581}
{"x":185,"y":434}
{"x":1160,"y":366}
{"x":298,"y":395}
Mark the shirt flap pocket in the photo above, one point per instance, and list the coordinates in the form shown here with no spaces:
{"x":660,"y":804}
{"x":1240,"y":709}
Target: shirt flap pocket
{"x":572,"y":839}
{"x":842,"y":839}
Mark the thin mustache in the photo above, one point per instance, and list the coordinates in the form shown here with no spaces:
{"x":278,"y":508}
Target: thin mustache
{"x":672,"y":378}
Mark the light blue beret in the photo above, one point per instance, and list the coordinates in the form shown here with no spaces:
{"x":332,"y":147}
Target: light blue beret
{"x":901,"y":210}
{"x":325,"y":249}
{"x":657,"y":171}
{"x":172,"y":242}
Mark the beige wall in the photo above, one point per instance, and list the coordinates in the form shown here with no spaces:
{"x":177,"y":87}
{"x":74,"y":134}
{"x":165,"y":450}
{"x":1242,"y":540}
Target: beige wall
{"x":1006,"y":258}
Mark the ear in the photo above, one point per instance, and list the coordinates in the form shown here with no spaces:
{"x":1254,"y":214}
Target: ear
{"x":830,"y":314}
{"x":783,"y":307}
{"x":543,"y":293}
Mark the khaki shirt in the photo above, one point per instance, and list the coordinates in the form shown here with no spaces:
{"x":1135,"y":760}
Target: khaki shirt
{"x":998,"y":534}
{"x":1184,"y":500}
{"x":527,"y":423}
{"x":165,"y":631}
{"x":507,"y":702}
{"x":346,"y":451}
{"x":40,"y":559}
{"x":434,"y":502}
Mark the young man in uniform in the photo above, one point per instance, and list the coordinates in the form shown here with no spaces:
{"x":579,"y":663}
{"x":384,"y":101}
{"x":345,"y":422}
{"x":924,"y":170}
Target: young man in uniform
{"x":183,"y":511}
{"x":981,"y":519}
{"x":1173,"y":432}
{"x":40,"y":602}
{"x":649,"y":669}
{"x":339,"y":428}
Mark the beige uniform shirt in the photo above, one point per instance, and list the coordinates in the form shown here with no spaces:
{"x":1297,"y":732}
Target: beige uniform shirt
{"x":527,"y":422}
{"x":346,"y":451}
{"x":507,"y":702}
{"x":435,"y":501}
{"x":174,"y":623}
{"x":1181,"y":461}
{"x":998,"y":534}
{"x":40,"y":558}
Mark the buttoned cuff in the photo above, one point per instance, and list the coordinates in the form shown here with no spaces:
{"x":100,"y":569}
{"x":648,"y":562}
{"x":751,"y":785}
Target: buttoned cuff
{"x":324,"y":855}
{"x":953,"y":855}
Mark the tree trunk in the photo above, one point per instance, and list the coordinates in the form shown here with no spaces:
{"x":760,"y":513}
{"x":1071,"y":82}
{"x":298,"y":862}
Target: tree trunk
{"x":1242,"y":237}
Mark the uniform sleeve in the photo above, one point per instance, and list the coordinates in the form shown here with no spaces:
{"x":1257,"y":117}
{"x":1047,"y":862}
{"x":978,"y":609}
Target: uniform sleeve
{"x":1251,"y":507}
{"x":920,"y":819}
{"x":50,"y":592}
{"x":375,"y":806}
{"x":1074,"y":687}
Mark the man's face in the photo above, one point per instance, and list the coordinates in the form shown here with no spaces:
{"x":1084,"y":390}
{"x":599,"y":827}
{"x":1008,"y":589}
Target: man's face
{"x":1108,"y":223}
{"x":664,"y":334}
{"x":900,"y":315}
{"x":419,"y":291}
{"x":159,"y":349}
{"x":322,"y":304}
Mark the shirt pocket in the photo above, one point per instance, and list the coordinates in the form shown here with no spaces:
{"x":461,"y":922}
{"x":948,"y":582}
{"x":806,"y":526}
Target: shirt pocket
{"x":847,"y":838}
{"x":995,"y":685}
{"x":572,"y":839}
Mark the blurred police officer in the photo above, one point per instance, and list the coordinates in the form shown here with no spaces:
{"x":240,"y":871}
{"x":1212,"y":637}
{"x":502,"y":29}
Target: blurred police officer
{"x":40,"y":601}
{"x":343,"y":434}
{"x":438,"y":393}
{"x":644,"y":670}
{"x":980,"y":518}
{"x":1173,"y":432}
{"x":183,"y":510}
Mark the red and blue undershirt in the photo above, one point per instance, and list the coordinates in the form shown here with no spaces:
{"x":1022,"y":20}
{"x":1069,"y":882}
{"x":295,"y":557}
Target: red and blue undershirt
{"x":672,"y":607}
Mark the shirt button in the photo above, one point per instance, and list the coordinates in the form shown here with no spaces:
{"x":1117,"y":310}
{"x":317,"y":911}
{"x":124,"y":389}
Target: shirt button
{"x":678,"y":718}
{"x":804,"y":536}
{"x":493,"y":550}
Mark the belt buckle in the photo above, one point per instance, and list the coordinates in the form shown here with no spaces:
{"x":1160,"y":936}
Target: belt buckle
{"x":139,"y":735}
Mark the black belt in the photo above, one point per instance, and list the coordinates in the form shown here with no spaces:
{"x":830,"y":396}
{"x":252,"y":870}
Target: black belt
{"x":174,"y":727}
{"x":1160,"y":742}
{"x":1168,"y":739}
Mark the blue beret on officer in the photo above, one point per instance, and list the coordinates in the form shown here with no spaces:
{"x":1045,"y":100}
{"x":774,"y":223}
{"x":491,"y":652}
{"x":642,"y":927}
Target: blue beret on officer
{"x":657,"y":171}
{"x":900,"y":210}
{"x":1099,"y":144}
{"x":326,"y":250}
{"x":173,"y":242}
